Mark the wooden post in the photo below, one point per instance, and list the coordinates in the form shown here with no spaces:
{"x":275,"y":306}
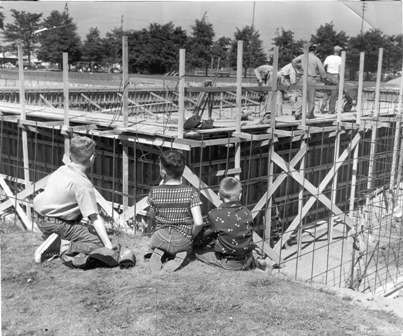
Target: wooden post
{"x":358,"y":121}
{"x":66,"y":105}
{"x":125,"y":157}
{"x":303,"y":144}
{"x":374,"y":126}
{"x":339,"y":111}
{"x":397,"y":135}
{"x":25,"y":154}
{"x":181,"y":111}
{"x":238,"y":104}
{"x":267,"y":232}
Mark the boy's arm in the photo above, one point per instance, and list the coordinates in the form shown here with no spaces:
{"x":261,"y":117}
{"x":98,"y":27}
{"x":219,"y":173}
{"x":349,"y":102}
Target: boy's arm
{"x":197,"y":220}
{"x":99,"y":227}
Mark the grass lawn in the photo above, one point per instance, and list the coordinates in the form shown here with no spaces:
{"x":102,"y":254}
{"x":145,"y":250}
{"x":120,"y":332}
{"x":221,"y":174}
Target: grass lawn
{"x":51,"y":299}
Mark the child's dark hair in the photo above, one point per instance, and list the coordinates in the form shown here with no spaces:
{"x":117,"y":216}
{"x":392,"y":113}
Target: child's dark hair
{"x":230,"y":188}
{"x":174,"y":163}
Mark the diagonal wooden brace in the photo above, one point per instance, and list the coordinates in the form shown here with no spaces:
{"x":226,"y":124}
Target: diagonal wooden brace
{"x":280,"y":178}
{"x":26,"y":222}
{"x":311,"y":201}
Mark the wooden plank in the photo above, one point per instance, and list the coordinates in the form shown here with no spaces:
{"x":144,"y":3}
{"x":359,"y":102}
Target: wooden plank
{"x":280,"y":178}
{"x":232,"y":171}
{"x":26,"y":222}
{"x":374,"y":128}
{"x":311,"y":201}
{"x":24,"y":135}
{"x":237,"y":160}
{"x":356,"y":149}
{"x":28,"y":191}
{"x":337,"y":140}
{"x":47,"y":102}
{"x":125,"y":149}
{"x":91,"y":101}
{"x":66,"y":103}
{"x":181,"y":88}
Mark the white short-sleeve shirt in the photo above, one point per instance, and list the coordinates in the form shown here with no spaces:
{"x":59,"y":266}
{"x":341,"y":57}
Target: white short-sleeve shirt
{"x":333,"y":64}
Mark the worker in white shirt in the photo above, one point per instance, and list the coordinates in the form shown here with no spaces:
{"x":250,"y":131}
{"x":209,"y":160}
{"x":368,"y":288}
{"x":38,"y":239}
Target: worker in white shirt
{"x":332,"y":66}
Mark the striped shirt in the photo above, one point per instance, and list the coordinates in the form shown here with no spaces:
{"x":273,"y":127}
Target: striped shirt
{"x":170,"y":207}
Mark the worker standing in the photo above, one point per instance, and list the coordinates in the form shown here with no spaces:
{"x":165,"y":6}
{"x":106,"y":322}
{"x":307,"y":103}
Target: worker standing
{"x":316,"y":71}
{"x":332,"y":66}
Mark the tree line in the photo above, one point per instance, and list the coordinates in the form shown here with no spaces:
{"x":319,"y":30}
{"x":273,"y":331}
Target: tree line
{"x":154,"y":49}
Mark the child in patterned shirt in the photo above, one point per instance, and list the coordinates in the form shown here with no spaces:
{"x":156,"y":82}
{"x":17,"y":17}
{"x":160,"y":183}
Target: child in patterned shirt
{"x":174,"y":209}
{"x":231,"y":225}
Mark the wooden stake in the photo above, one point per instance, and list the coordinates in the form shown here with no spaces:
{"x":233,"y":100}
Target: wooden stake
{"x":238,"y":104}
{"x":25,"y":154}
{"x":337,"y":139}
{"x":374,"y":126}
{"x":268,"y":215}
{"x":358,"y":120}
{"x":66,"y":104}
{"x":397,"y":135}
{"x":125,"y":157}
{"x":303,"y":144}
{"x":181,"y":116}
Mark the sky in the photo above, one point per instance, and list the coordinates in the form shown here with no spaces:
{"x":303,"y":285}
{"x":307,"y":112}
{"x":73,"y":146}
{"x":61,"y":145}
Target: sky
{"x":302,"y":17}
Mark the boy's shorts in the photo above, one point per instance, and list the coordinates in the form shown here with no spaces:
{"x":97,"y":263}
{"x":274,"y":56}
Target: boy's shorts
{"x":171,"y":241}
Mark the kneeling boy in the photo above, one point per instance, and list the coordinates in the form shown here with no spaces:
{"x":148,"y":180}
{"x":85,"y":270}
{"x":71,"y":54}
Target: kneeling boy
{"x":69,"y":196}
{"x":175,"y":211}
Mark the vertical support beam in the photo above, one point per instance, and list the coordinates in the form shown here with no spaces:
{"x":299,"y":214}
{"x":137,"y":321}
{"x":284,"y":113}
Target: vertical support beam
{"x":125,"y":156}
{"x":337,"y":139}
{"x":238,"y":104}
{"x":358,"y":121}
{"x":66,"y":104}
{"x":267,"y":231}
{"x":25,"y":154}
{"x":181,"y":111}
{"x":397,"y":135}
{"x":302,"y":163}
{"x":374,"y":126}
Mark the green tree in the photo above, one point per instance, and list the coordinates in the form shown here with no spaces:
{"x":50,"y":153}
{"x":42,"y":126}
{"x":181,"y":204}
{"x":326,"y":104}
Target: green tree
{"x":113,"y":46}
{"x":326,"y":38}
{"x":1,"y":18}
{"x":288,"y":47}
{"x":60,"y":37}
{"x":200,"y":44}
{"x":253,"y":54}
{"x":220,"y":50}
{"x":93,"y":49}
{"x":156,"y":49}
{"x":23,"y":30}
{"x":370,"y":42}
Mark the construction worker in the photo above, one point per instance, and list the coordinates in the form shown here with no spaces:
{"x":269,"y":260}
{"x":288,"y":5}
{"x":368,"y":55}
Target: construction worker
{"x":263,"y":73}
{"x":332,"y":66}
{"x":316,"y":71}
{"x":287,"y":78}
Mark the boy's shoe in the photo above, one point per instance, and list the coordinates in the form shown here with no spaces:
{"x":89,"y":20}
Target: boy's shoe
{"x":155,"y":260}
{"x":175,"y":263}
{"x":127,"y":258}
{"x":49,"y":249}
